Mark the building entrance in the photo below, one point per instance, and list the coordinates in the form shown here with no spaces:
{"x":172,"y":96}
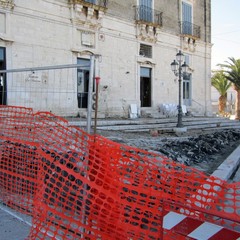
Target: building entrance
{"x":3,"y":85}
{"x":145,"y":87}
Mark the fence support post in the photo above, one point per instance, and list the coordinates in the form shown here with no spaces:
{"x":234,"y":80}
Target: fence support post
{"x":90,"y":90}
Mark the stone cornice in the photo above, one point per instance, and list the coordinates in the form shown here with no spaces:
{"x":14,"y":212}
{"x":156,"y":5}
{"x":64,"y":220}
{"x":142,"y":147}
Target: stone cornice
{"x":5,"y":38}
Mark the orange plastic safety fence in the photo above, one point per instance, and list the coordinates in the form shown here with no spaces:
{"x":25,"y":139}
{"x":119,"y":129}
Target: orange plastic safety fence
{"x":18,"y":174}
{"x":17,"y":123}
{"x":79,"y":186}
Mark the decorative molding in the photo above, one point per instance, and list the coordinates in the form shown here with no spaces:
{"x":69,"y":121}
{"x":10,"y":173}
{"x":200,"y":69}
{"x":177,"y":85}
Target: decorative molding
{"x":83,"y":52}
{"x":144,"y":62}
{"x":6,"y":38}
{"x":84,"y":13}
{"x":147,"y":32}
{"x":99,"y":5}
{"x":189,"y":43}
{"x":7,"y":4}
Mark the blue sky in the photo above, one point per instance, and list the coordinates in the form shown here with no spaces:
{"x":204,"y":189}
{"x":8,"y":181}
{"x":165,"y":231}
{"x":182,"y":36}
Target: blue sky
{"x":225,"y":30}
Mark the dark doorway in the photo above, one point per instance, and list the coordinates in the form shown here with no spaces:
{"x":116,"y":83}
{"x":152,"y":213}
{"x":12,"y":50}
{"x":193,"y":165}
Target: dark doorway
{"x":3,"y":85}
{"x":145,"y":87}
{"x":82,"y":82}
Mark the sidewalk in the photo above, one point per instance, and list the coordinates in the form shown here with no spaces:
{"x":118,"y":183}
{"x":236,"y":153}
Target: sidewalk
{"x":13,"y":225}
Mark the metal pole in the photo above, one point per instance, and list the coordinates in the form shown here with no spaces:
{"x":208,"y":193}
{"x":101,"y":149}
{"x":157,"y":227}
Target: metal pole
{"x":96,"y":109}
{"x":97,"y":81}
{"x":44,"y":68}
{"x":179,"y":123}
{"x":90,"y":90}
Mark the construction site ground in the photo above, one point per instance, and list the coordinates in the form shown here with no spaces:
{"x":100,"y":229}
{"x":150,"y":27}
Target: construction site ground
{"x":145,"y":134}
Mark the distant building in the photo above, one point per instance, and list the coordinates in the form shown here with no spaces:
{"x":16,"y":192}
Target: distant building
{"x":136,"y":39}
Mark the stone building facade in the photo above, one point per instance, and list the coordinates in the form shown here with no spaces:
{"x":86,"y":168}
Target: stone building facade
{"x":134,"y":42}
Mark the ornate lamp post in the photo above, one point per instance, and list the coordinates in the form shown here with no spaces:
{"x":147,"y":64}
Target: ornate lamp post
{"x":179,"y":70}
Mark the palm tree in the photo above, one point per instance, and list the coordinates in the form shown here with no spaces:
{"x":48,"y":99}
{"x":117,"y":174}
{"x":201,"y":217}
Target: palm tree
{"x":231,"y":69}
{"x":220,"y":82}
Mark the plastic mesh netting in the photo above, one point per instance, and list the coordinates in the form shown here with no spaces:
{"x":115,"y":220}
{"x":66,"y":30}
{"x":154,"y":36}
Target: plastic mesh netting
{"x":79,"y":186}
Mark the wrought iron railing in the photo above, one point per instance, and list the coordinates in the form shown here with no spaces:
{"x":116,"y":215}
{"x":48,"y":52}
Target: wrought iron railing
{"x":187,"y":28}
{"x":102,"y":3}
{"x":148,"y":15}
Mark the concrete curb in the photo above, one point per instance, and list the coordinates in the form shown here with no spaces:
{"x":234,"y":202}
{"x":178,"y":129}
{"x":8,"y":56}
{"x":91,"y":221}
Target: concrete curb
{"x":229,"y":166}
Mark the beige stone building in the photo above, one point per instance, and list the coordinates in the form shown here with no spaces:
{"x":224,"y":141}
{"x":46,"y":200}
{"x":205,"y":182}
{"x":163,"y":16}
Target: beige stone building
{"x":134,"y":42}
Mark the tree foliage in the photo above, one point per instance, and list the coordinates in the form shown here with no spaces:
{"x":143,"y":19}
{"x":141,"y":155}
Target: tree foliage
{"x":220,"y":82}
{"x":231,"y":69}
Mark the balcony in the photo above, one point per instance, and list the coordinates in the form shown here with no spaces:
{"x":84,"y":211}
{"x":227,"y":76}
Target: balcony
{"x":88,"y":13}
{"x":148,"y":16}
{"x":95,"y":4}
{"x":190,"y":30}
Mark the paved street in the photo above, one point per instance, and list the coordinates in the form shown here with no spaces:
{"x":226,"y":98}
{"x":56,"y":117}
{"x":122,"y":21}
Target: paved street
{"x":13,"y":226}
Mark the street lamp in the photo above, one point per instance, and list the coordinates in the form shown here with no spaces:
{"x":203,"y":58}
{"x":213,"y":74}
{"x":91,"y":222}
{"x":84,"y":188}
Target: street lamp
{"x":179,"y":70}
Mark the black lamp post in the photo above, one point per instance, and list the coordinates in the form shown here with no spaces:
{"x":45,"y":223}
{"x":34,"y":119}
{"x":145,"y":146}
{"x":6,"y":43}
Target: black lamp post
{"x":179,"y":70}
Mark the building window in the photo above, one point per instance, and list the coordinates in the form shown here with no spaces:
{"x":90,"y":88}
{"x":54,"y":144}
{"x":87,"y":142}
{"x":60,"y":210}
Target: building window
{"x":2,"y":23}
{"x":145,"y":51}
{"x":187,"y":85}
{"x":2,"y":52}
{"x":91,"y":1}
{"x":102,"y":3}
{"x":186,"y":18}
{"x":146,"y":11}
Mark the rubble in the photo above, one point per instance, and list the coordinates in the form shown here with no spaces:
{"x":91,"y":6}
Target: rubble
{"x":204,"y":151}
{"x":203,"y":148}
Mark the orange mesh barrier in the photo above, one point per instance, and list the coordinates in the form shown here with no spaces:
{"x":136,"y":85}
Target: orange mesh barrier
{"x":18,"y":174}
{"x":79,"y":186}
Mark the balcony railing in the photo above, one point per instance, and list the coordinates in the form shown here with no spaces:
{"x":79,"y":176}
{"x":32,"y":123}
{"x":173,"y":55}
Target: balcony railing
{"x":98,"y":3}
{"x":148,"y":15}
{"x":101,"y":3}
{"x":187,"y":28}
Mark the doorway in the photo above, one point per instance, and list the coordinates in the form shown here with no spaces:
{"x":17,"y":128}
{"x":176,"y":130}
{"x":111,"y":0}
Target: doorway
{"x":83,"y":82}
{"x":145,"y":86}
{"x":3,"y":85}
